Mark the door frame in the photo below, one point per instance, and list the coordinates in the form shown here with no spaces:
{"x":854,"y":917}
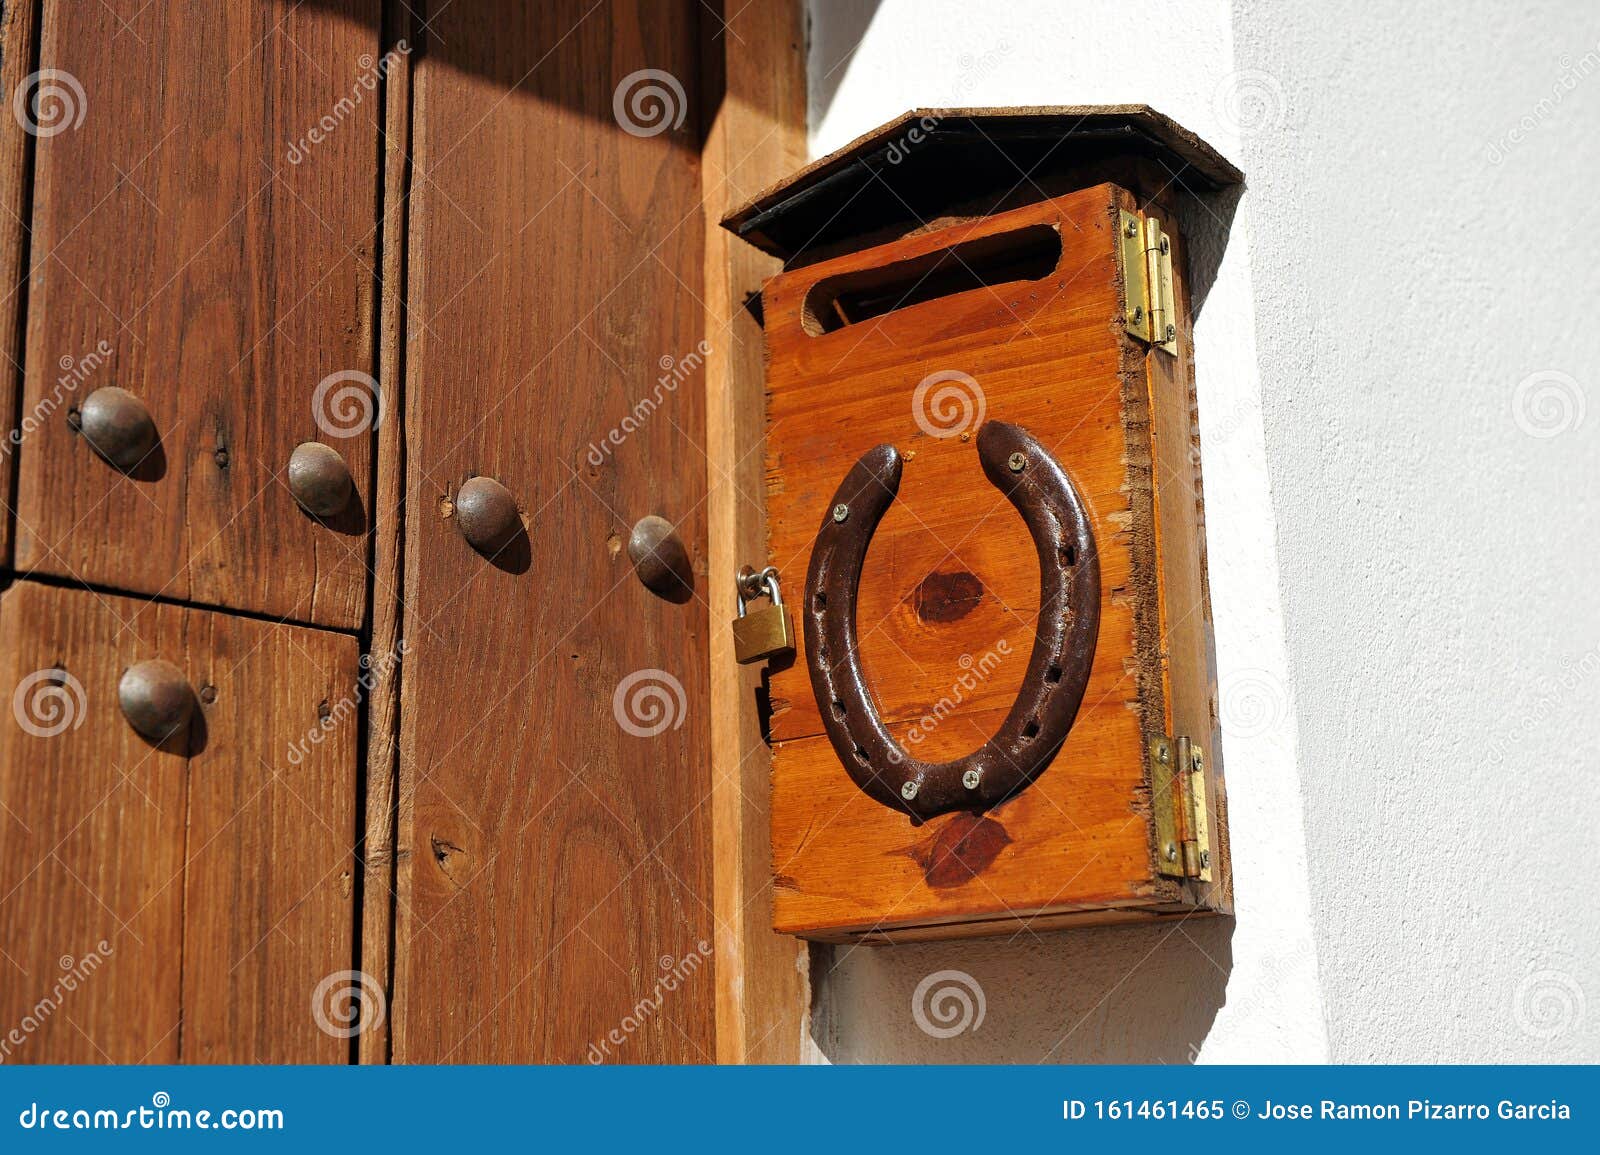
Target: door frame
{"x":757,"y":136}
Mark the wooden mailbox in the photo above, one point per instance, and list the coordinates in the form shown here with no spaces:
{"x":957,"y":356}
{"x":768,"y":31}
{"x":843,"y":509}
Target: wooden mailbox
{"x":982,"y":336}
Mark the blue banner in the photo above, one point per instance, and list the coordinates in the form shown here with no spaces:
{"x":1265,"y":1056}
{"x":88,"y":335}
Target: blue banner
{"x":964,"y":1109}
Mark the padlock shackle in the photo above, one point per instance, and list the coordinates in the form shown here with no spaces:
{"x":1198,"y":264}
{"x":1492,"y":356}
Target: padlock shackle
{"x":750,"y":583}
{"x":1063,"y":647}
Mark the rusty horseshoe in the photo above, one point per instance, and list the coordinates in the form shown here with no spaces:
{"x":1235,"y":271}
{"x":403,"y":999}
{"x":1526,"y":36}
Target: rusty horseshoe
{"x":1063,"y":645}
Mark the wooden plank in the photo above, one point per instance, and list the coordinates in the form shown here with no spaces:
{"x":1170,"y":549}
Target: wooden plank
{"x":1189,"y":670}
{"x":191,"y":228}
{"x":756,"y":136}
{"x":18,"y":22}
{"x":383,"y":716}
{"x":1031,"y":924}
{"x":208,"y":883}
{"x":91,"y":862}
{"x":554,"y":867}
{"x":952,"y":570}
{"x":1077,"y":837}
{"x":269,"y":884}
{"x":950,"y":589}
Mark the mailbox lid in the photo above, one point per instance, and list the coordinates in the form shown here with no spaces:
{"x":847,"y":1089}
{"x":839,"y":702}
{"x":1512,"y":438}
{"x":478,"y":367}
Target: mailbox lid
{"x":934,"y":163}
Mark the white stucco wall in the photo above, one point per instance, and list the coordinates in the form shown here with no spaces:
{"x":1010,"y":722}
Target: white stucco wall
{"x":1217,"y":990}
{"x":1425,"y":283}
{"x":1394,"y":369}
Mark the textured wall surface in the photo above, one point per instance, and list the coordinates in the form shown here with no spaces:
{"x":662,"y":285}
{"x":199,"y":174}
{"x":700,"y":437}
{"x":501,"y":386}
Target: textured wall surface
{"x":1241,"y":989}
{"x":1423,"y":255}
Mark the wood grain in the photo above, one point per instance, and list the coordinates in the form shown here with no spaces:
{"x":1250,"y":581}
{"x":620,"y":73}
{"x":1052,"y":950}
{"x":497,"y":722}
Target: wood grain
{"x":18,"y":22}
{"x":188,"y":227}
{"x":388,"y":538}
{"x":554,"y":867}
{"x":1188,"y":668}
{"x":950,"y":590}
{"x":213,"y":889}
{"x":269,"y":911}
{"x":93,"y":850}
{"x":757,"y":135}
{"x":1043,"y":355}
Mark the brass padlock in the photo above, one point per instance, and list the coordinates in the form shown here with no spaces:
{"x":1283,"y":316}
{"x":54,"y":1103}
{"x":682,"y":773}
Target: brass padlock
{"x":767,"y":633}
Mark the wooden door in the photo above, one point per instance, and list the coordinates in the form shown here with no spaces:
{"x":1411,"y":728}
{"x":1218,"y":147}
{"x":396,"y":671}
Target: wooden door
{"x":192,"y":245}
{"x":180,"y":902}
{"x":442,"y":803}
{"x":555,"y":833}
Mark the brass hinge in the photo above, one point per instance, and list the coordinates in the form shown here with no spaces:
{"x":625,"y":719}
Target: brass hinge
{"x":1144,"y":253}
{"x":1178,"y":797}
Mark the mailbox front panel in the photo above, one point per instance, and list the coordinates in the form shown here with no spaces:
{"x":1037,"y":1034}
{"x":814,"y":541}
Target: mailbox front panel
{"x":1015,"y":318}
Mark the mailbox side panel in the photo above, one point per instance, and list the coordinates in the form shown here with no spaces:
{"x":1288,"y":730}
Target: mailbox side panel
{"x":949,"y":594}
{"x":1184,"y":643}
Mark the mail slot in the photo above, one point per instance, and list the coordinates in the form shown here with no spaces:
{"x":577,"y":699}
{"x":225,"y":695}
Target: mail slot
{"x":984,"y":503}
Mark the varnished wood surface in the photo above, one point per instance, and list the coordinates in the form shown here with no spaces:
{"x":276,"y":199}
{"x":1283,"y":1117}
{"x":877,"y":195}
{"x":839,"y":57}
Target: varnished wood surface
{"x":757,"y":135}
{"x":951,"y":569}
{"x":214,"y":889}
{"x":1189,"y":669}
{"x":1011,"y":925}
{"x":17,"y":24}
{"x":227,"y":281}
{"x":950,"y":588}
{"x":382,"y":767}
{"x":553,"y":867}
